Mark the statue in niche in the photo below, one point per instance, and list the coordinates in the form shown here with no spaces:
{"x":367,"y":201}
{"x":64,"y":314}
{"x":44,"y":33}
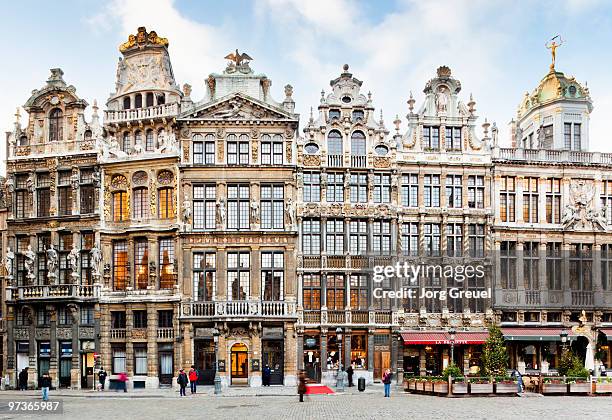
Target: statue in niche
{"x":442,"y":99}
{"x":52,"y":259}
{"x":9,"y":259}
{"x":29,"y":263}
{"x":96,"y":259}
{"x":254,"y":211}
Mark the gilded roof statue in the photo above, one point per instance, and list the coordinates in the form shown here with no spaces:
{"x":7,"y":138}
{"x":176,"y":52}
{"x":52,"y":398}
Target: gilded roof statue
{"x":143,"y":38}
{"x":552,"y":45}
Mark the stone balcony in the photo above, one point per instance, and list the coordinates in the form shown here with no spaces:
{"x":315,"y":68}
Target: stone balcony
{"x":148,"y":113}
{"x":551,"y":156}
{"x":54,"y":292}
{"x":347,"y":317}
{"x":543,"y":299}
{"x":343,"y":262}
{"x":238,"y":309}
{"x":52,"y":149}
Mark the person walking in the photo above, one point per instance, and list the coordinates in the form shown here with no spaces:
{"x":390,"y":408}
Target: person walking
{"x":387,"y":381}
{"x":23,"y":379}
{"x":45,"y":384}
{"x":350,"y":372}
{"x":265,"y":375}
{"x":123,"y":381}
{"x":182,"y":380}
{"x":102,"y":378}
{"x":302,"y":385}
{"x":193,"y":378}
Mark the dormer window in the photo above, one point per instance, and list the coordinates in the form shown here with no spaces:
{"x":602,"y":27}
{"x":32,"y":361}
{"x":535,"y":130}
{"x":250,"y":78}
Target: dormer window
{"x":334,"y":114}
{"x":431,"y":138}
{"x":311,"y":148}
{"x":572,"y":90}
{"x":346,"y":99}
{"x":56,"y":132}
{"x":453,"y":138}
{"x":87,"y":135}
{"x":358,"y":114}
{"x":381,"y":150}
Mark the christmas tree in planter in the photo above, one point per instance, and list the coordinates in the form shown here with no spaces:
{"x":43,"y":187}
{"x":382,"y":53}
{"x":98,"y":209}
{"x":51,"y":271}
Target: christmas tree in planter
{"x":495,"y":354}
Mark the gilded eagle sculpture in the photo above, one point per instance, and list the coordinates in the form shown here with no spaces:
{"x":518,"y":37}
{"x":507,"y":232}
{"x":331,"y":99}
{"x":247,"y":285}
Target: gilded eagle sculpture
{"x":238,"y":58}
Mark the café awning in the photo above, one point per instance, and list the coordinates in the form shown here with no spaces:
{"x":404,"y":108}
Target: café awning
{"x":443,"y":337}
{"x":534,"y":334}
{"x":607,"y":332}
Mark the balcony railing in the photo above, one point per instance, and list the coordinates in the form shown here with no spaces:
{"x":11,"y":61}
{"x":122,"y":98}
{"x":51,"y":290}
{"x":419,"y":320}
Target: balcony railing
{"x":360,"y":317}
{"x":335,"y":160}
{"x":312,"y":262}
{"x":158,"y":111}
{"x":165,"y":333}
{"x":52,"y":148}
{"x":358,"y":161}
{"x":532,"y":297}
{"x":312,"y":317}
{"x":58,"y":291}
{"x":117,"y":333}
{"x":556,"y":156}
{"x":352,"y":317}
{"x":582,"y":298}
{"x":239,"y":309}
{"x":336,"y":317}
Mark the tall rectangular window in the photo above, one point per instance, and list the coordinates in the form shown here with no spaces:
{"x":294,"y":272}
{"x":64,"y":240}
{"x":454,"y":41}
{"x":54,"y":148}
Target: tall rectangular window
{"x":476,"y":236}
{"x":118,"y":355}
{"x":165,"y":318}
{"x":272,"y":275}
{"x":166,"y":263}
{"x":454,"y":191}
{"x":166,"y":203}
{"x":530,"y":200}
{"x":311,"y":292}
{"x":335,"y":292}
{"x":454,"y":240}
{"x":507,"y":199}
{"x":453,"y":138}
{"x":237,"y":149}
{"x":238,"y":205}
{"x":432,"y":239}
{"x":87,"y":191}
{"x":431,"y":138}
{"x":311,"y":237}
{"x":507,"y":257}
{"x":140,"y":359}
{"x":431,"y":190}
{"x":43,"y":195}
{"x":382,"y":237}
{"x":271,"y":149}
{"x":87,"y":242}
{"x":238,"y":275}
{"x":606,"y":199}
{"x":410,"y":239}
{"x":577,"y":137}
{"x":581,"y":266}
{"x":358,"y":237}
{"x":204,"y":206}
{"x":21,"y":195}
{"x":65,"y":246}
{"x":335,"y":237}
{"x":606,"y":267}
{"x":567,"y":136}
{"x":531,"y":263}
{"x":312,"y":187}
{"x":554,"y":261}
{"x":64,"y":193}
{"x":141,"y":203}
{"x":120,"y":206}
{"x":44,"y":243}
{"x":120,"y":265}
{"x":571,"y":136}
{"x":359,"y":291}
{"x":382,"y":188}
{"x":22,"y":246}
{"x":359,"y":188}
{"x":272,"y":206}
{"x":410,"y":190}
{"x":204,"y":149}
{"x":140,"y":319}
{"x":476,"y":191}
{"x":553,"y":200}
{"x":141,"y":263}
{"x":335,"y":187}
{"x":204,"y":276}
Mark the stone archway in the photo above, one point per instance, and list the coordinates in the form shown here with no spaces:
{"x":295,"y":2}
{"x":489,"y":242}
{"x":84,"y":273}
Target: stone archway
{"x":239,"y":364}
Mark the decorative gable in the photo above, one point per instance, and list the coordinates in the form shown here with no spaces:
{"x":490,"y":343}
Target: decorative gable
{"x":237,"y":107}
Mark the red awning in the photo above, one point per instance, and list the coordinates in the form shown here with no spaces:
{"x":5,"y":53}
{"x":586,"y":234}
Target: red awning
{"x":534,"y":334}
{"x":442,"y":337}
{"x":607,"y":332}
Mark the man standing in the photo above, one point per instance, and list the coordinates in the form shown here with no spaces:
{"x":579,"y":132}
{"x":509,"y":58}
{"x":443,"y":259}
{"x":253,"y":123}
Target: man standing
{"x":265,"y":377}
{"x":23,"y":379}
{"x":102,"y":378}
{"x":182,"y":381}
{"x":45,"y":384}
{"x":302,"y":385}
{"x":193,"y":377}
{"x":387,"y":381}
{"x":350,"y":372}
{"x":123,"y":381}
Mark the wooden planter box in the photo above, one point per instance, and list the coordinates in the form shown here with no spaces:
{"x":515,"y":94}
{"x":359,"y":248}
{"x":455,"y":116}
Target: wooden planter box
{"x":428,"y":386}
{"x":440,"y":387}
{"x":603,"y":388}
{"x":554,"y":388}
{"x":460,"y":388}
{"x":580,"y":388}
{"x":412,"y":385}
{"x":506,"y":388}
{"x":481,"y":388}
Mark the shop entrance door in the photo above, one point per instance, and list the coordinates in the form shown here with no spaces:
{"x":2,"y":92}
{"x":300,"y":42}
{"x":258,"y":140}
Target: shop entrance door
{"x":382,"y":362}
{"x":273,"y":356}
{"x":87,"y":370}
{"x":165,"y":367}
{"x":205,"y":362}
{"x":240,"y":364}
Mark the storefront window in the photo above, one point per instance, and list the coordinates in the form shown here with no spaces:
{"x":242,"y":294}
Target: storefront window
{"x":332,"y":351}
{"x":359,"y":351}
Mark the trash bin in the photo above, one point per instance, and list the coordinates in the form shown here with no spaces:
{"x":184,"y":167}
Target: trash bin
{"x":361,"y":384}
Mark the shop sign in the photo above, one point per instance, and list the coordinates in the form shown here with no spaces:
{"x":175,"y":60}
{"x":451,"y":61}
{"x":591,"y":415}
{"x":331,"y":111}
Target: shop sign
{"x":88,"y":346}
{"x":221,"y":365}
{"x":273,"y":333}
{"x":310,"y":342}
{"x":204,"y":332}
{"x":255,"y":365}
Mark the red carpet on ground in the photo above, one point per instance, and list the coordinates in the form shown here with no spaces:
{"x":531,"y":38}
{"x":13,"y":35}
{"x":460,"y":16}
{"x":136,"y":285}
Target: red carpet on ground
{"x":318,"y":389}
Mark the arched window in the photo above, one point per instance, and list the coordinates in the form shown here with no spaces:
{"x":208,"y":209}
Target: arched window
{"x":127,"y":103}
{"x":138,"y":101}
{"x":56,"y":132}
{"x":141,"y":203}
{"x":23,"y":140}
{"x":87,"y":135}
{"x":120,"y":206}
{"x":138,"y":137}
{"x":358,"y":144}
{"x":125,"y":144}
{"x":150,"y":145}
{"x":166,"y":203}
{"x":334,"y":143}
{"x":149,"y":99}
{"x":161,"y":99}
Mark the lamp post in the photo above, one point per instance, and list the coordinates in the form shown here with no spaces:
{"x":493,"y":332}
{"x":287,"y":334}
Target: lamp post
{"x":563,"y":336}
{"x":452,"y":333}
{"x":339,"y":375}
{"x":217,"y":377}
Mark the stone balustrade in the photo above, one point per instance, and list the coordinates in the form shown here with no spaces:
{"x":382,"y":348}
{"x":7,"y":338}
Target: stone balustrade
{"x":238,"y":309}
{"x":57,"y":291}
{"x":52,"y":148}
{"x":157,"y":111}
{"x":556,"y":156}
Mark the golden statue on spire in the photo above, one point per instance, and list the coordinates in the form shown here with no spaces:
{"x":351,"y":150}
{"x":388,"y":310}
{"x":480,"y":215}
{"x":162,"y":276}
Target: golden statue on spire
{"x":552,"y":45}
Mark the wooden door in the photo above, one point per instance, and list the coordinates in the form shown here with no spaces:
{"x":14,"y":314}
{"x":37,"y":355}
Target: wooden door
{"x":382,"y":362}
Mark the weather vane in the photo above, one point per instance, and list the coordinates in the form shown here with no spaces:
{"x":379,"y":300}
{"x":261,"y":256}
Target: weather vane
{"x":552,"y":45}
{"x":238,"y":58}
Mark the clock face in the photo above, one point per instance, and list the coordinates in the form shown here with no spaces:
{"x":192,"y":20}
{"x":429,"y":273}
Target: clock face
{"x":54,"y":100}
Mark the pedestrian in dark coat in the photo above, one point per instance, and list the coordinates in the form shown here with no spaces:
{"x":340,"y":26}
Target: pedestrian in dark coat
{"x":23,"y":379}
{"x":182,"y":380}
{"x":302,"y":385}
{"x":350,"y":372}
{"x":102,"y":378}
{"x":265,"y":375}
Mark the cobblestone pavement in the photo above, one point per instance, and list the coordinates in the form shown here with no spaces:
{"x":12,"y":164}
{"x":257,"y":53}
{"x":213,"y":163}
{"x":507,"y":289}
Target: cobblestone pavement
{"x":349,"y":405}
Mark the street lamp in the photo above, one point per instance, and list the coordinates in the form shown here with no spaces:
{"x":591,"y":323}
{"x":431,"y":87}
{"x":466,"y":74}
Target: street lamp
{"x":339,"y":375}
{"x":563,"y":336}
{"x":452,"y":333}
{"x":217,"y":377}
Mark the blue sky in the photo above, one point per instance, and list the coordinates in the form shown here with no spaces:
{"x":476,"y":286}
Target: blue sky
{"x":496,"y":48}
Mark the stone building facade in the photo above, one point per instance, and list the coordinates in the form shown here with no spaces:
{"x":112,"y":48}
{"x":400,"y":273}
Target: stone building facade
{"x":209,"y":232}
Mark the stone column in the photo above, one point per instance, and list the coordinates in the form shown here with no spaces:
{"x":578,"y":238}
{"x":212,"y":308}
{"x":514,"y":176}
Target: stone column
{"x":300,"y":350}
{"x":129,"y":347}
{"x":596,"y":280}
{"x":518,"y":186}
{"x":371,"y":350}
{"x":292,"y":358}
{"x":75,"y":371}
{"x":520,"y":280}
{"x":152,"y":363}
{"x":256,"y":292}
{"x":221,"y":274}
{"x":53,"y":360}
{"x":323,"y":345}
